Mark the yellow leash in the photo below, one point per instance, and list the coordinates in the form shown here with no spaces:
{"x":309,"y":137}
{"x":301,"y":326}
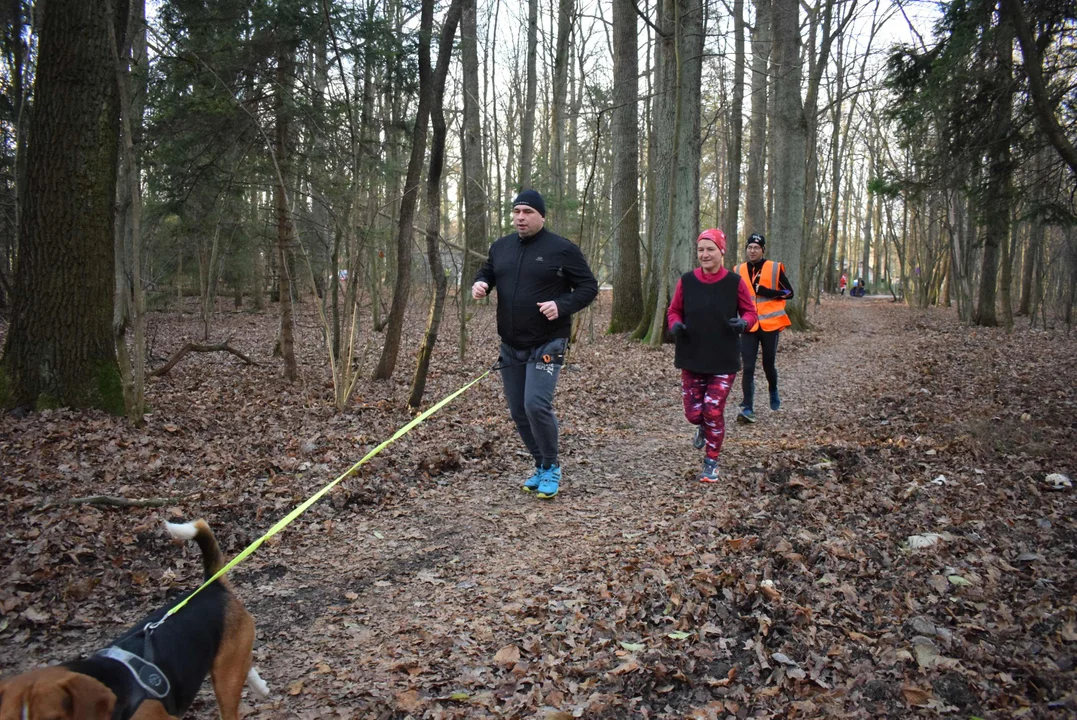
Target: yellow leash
{"x":287,"y":519}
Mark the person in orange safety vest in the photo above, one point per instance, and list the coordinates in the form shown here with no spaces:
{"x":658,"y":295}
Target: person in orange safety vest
{"x":770,"y":289}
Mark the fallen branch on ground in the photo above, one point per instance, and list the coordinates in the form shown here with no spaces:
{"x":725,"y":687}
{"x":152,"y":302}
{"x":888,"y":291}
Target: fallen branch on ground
{"x":115,"y":501}
{"x":195,"y":347}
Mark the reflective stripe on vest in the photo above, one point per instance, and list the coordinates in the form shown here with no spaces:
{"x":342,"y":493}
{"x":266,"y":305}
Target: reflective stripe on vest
{"x":771,"y":312}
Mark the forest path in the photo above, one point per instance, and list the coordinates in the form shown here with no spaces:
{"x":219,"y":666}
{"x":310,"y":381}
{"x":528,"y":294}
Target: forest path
{"x":389,"y":596}
{"x":430,"y":586}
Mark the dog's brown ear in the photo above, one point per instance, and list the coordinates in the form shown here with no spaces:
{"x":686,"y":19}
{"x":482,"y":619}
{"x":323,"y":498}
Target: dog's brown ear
{"x":90,"y":700}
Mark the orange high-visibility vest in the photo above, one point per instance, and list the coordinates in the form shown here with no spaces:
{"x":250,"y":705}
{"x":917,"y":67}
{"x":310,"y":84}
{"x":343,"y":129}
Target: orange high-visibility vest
{"x":771,"y":311}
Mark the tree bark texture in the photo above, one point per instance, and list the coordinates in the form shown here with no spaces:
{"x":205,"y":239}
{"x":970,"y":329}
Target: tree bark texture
{"x":869,"y":222}
{"x":282,"y":150}
{"x":14,"y":38}
{"x":60,"y":348}
{"x":527,"y":141}
{"x":565,"y":13}
{"x":258,"y":285}
{"x":755,"y":203}
{"x":627,"y":289}
{"x":999,"y":172}
{"x":1032,"y":251}
{"x":736,"y":131}
{"x":789,"y":145}
{"x":1005,"y":282}
{"x":679,"y":68}
{"x":474,"y":175}
{"x":130,"y":309}
{"x":830,"y":271}
{"x":402,"y":288}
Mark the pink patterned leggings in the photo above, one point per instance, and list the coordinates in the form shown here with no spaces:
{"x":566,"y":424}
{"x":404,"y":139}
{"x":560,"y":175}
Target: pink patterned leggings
{"x":704,"y":404}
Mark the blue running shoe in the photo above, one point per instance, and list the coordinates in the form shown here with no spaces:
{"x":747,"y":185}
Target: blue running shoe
{"x":746,"y":416}
{"x":699,"y":441}
{"x":710,"y":471}
{"x":532,"y":483}
{"x":550,"y":482}
{"x":775,"y":401}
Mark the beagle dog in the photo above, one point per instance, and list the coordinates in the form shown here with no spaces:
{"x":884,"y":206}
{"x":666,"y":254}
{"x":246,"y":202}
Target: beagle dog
{"x":155,"y":669}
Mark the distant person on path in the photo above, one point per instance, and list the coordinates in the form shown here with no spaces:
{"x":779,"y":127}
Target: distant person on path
{"x":711,"y":307}
{"x":858,"y":288}
{"x":842,"y":283}
{"x":770,"y":290}
{"x":541,"y":280}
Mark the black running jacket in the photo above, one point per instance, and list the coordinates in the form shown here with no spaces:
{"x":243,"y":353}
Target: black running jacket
{"x":533,"y":270}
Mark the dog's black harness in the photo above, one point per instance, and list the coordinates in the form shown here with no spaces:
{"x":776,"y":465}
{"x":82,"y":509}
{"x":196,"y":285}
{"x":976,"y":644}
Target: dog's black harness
{"x":132,"y":677}
{"x":146,"y":674}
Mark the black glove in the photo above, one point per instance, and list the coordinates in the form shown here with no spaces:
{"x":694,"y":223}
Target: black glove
{"x":678,"y":329}
{"x":737,"y":325}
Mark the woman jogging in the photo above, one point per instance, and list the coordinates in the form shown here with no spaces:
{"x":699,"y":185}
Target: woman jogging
{"x":711,"y":307}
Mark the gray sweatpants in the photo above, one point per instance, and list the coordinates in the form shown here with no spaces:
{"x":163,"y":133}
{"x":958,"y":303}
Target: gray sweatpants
{"x":530,"y":382}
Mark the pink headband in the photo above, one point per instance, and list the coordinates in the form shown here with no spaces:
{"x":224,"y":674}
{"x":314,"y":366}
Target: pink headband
{"x":715,"y":235}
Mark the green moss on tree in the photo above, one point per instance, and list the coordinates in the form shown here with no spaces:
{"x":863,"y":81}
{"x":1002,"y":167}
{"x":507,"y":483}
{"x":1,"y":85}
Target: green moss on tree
{"x":45,"y":401}
{"x":105,"y":392}
{"x":108,"y":395}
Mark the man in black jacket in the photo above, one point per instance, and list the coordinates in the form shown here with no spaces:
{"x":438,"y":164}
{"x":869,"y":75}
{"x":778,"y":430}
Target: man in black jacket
{"x":541,"y":280}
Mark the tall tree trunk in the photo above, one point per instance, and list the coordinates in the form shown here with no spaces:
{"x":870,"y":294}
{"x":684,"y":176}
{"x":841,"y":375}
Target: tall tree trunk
{"x":1070,"y":296}
{"x":60,"y":347}
{"x":1032,"y":251}
{"x":130,"y":309}
{"x":474,"y":174}
{"x":259,"y":283}
{"x":402,"y":289}
{"x":881,"y":247}
{"x":649,"y":182}
{"x":999,"y":173}
{"x":19,"y":51}
{"x":1006,"y":275}
{"x":789,"y":146}
{"x":830,"y":281}
{"x":576,"y":86}
{"x":869,"y":218}
{"x":562,"y":57}
{"x":679,"y":62}
{"x":736,"y":131}
{"x":208,"y":261}
{"x":527,"y":142}
{"x":627,"y":289}
{"x":817,"y":62}
{"x":433,"y":204}
{"x":283,"y":148}
{"x":319,"y":184}
{"x":755,"y":203}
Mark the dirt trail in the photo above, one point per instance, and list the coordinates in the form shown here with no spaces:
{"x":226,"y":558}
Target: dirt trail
{"x":430,"y":586}
{"x":409,"y":581}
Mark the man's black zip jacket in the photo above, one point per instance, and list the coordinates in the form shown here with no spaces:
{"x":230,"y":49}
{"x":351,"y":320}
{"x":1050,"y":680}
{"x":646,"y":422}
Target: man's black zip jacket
{"x":532,"y":270}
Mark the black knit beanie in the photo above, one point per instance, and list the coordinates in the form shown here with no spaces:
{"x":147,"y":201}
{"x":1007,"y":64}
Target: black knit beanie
{"x":757,"y":239}
{"x":531,"y":198}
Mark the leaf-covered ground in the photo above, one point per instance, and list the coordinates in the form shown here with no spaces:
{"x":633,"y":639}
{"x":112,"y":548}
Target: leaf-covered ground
{"x":429,"y":586}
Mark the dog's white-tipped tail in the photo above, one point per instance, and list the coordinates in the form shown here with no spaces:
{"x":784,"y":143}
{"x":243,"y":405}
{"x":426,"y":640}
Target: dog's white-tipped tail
{"x":182,"y":531}
{"x":258,"y":685}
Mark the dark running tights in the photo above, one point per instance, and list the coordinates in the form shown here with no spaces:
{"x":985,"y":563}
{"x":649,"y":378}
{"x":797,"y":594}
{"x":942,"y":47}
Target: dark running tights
{"x":749,"y":350}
